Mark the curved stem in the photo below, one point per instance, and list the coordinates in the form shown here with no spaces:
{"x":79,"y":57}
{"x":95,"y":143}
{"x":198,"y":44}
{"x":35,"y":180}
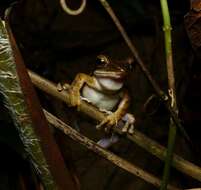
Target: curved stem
{"x":71,"y":11}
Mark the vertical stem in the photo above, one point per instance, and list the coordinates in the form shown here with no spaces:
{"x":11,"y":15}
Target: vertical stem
{"x":168,"y":46}
{"x":144,"y":69}
{"x":171,"y":90}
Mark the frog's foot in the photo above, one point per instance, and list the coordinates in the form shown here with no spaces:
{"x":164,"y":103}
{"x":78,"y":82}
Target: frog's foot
{"x":74,"y":95}
{"x":128,"y":128}
{"x":62,"y":86}
{"x":59,"y":87}
{"x":110,"y":121}
{"x":129,"y":123}
{"x":108,"y":141}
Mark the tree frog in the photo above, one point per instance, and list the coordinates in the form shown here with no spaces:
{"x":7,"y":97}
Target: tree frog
{"x":104,"y":89}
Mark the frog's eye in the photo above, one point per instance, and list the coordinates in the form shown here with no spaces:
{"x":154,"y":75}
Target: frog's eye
{"x":102,"y":59}
{"x":129,"y":64}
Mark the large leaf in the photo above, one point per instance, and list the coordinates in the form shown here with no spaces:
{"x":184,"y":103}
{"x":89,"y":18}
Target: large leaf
{"x":14,"y":101}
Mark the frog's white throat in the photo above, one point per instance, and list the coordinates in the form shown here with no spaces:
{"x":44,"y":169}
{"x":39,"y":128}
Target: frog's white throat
{"x":110,"y":84}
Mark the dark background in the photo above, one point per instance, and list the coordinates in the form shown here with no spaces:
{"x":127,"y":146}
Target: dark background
{"x":57,"y":46}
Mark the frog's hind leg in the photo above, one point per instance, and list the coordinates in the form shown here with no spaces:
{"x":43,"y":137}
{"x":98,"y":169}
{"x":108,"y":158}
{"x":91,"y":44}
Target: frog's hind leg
{"x":108,"y":141}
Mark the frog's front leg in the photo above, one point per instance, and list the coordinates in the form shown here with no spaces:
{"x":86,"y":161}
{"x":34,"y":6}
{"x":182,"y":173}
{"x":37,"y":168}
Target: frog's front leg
{"x":113,"y":118}
{"x":76,"y":86}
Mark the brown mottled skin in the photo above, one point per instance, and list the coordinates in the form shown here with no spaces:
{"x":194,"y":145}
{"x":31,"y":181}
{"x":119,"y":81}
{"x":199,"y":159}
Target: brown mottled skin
{"x":104,"y":89}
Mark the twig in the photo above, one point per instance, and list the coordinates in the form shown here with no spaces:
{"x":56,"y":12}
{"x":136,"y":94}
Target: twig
{"x":91,"y":145}
{"x":171,"y":84}
{"x":149,"y":145}
{"x":135,"y":53}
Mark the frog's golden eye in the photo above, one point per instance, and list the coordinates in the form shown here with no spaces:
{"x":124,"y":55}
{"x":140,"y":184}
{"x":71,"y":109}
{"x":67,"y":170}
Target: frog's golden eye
{"x":102,"y":59}
{"x":129,"y":64}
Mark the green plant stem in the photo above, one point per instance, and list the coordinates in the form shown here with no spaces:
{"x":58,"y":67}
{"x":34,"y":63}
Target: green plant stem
{"x":169,"y":155}
{"x":171,"y":84}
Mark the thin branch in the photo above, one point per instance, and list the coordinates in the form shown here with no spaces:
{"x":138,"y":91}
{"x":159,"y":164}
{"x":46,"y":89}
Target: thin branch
{"x":144,"y":69}
{"x":149,"y":145}
{"x":91,"y":145}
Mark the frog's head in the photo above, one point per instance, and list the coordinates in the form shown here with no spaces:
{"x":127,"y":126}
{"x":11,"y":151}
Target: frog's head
{"x":111,"y":74}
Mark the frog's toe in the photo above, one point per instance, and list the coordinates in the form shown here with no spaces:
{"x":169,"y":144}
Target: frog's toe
{"x":101,"y":124}
{"x":74,"y":98}
{"x":72,"y":101}
{"x":125,"y":127}
{"x":59,"y":87}
{"x":108,"y":141}
{"x":77,"y":99}
{"x":131,"y":129}
{"x":108,"y":123}
{"x":76,"y":102}
{"x":128,"y":127}
{"x":108,"y":128}
{"x":112,"y":120}
{"x":104,"y":124}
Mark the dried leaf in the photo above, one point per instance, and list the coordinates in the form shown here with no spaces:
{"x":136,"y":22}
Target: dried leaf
{"x":193,"y":24}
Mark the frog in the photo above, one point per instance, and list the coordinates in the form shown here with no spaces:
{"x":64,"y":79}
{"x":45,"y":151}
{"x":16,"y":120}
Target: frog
{"x":105,"y":90}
